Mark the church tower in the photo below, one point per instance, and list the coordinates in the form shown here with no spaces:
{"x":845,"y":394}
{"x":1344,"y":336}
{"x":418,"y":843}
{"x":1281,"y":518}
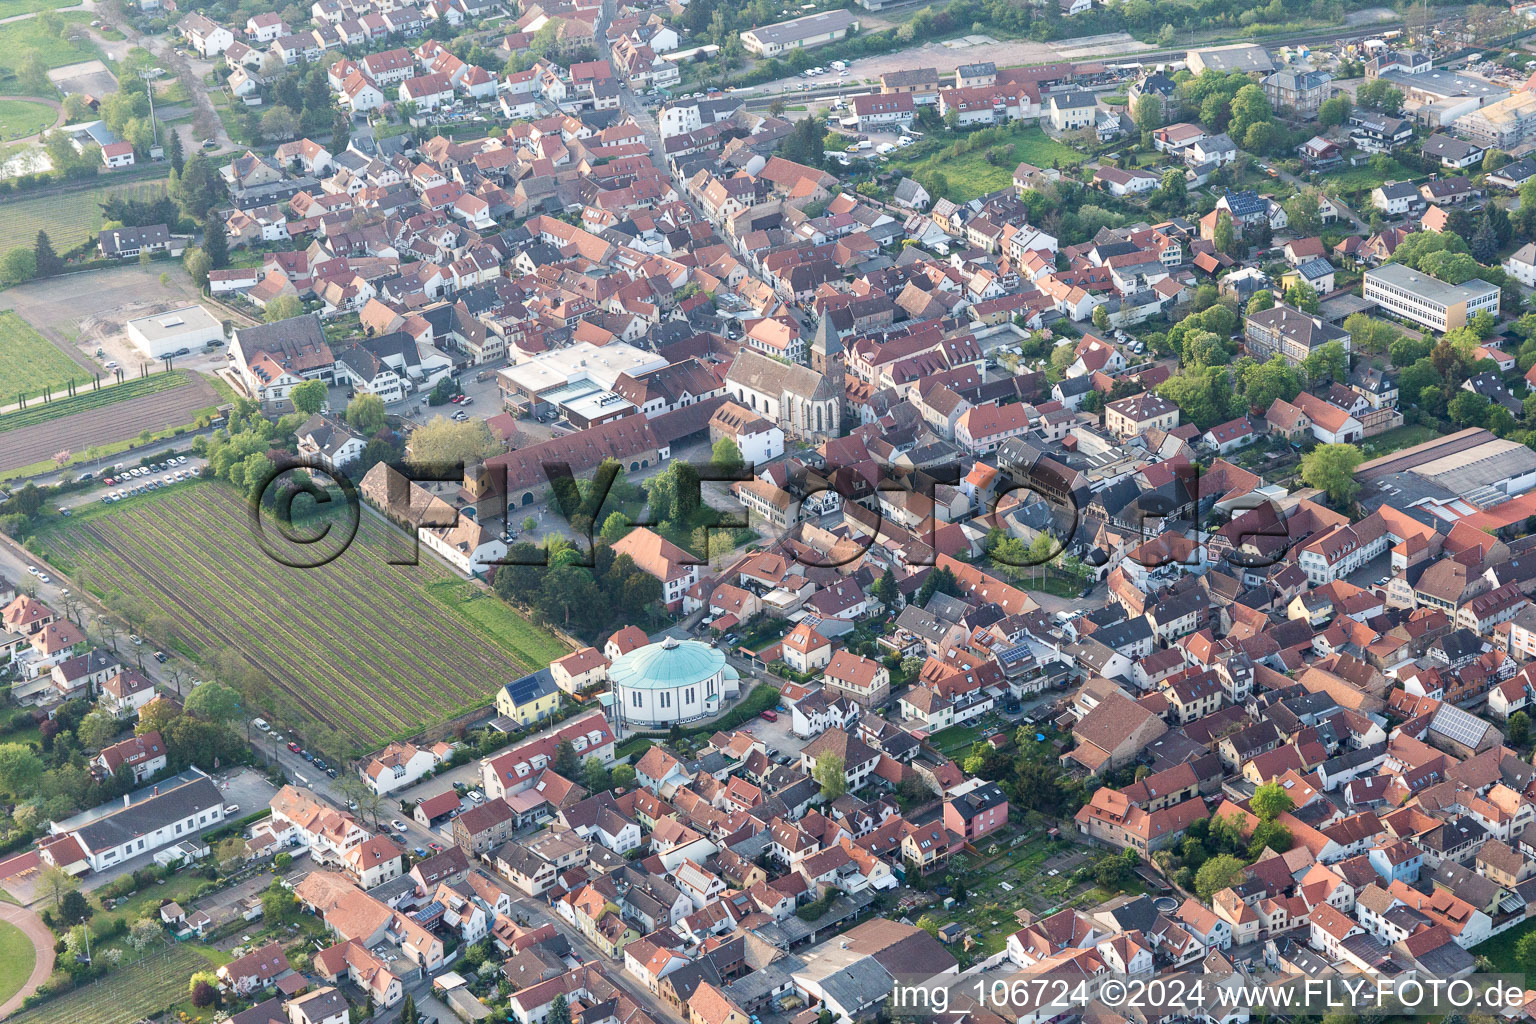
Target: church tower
{"x":827,"y":349}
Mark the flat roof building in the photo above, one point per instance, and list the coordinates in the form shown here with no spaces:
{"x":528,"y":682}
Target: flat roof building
{"x":166,"y":333}
{"x":1428,"y":300}
{"x":799,"y":33}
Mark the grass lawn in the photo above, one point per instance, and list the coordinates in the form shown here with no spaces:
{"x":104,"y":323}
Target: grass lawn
{"x":20,"y":38}
{"x":1365,"y":176}
{"x":955,"y":740}
{"x":970,"y":175}
{"x":20,"y":118}
{"x":1399,"y":437}
{"x":532,"y":646}
{"x":16,"y":959}
{"x":358,"y":644}
{"x":70,"y":218}
{"x":30,"y":362}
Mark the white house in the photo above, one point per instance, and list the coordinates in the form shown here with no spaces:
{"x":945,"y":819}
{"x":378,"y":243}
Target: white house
{"x":402,"y":764}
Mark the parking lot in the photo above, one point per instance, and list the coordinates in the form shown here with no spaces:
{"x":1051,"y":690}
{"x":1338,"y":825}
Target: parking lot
{"x":134,"y":479}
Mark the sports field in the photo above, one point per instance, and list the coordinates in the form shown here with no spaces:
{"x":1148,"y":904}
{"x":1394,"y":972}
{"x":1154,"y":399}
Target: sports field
{"x":20,"y":118}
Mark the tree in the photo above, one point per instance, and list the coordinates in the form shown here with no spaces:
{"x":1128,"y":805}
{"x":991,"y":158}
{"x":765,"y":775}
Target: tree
{"x":829,"y":772}
{"x":1203,"y":394}
{"x":1225,"y":237}
{"x":54,"y":883}
{"x":1302,"y":212}
{"x":74,"y":907}
{"x":1519,"y":728}
{"x":309,"y":397}
{"x":18,"y":266}
{"x":1260,"y":301}
{"x":1334,"y":112}
{"x":1269,"y":835}
{"x":365,"y":414}
{"x":1302,"y":296}
{"x":1468,"y":408}
{"x":1327,"y":362}
{"x":1485,"y":243}
{"x":97,"y":729}
{"x":1270,"y":801}
{"x":559,"y":1011}
{"x":929,"y":924}
{"x":279,"y":124}
{"x":1331,"y":468}
{"x":278,"y":905}
{"x":726,"y":454}
{"x":567,"y":764}
{"x":175,"y":152}
{"x":144,"y":933}
{"x":1380,"y":94}
{"x":48,"y":262}
{"x":1101,"y":318}
{"x":198,"y":265}
{"x":1262,"y":383}
{"x":442,"y":441}
{"x":215,"y":242}
{"x":20,"y":769}
{"x":887,"y":591}
{"x":408,"y":1014}
{"x":213,"y":702}
{"x":1216,"y":874}
{"x":284,"y":307}
{"x":204,"y":994}
{"x":1148,"y":113}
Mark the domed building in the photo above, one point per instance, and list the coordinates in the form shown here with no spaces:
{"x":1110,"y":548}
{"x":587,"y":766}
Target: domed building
{"x":661,"y":684}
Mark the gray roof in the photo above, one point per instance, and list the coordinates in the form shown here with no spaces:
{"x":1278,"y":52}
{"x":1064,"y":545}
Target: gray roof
{"x":769,"y":376}
{"x":149,"y":809}
{"x":804,"y":28}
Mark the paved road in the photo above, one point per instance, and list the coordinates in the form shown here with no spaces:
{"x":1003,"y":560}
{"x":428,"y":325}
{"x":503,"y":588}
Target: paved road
{"x":42,"y":943}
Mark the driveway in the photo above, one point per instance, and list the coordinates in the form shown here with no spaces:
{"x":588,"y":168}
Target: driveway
{"x":42,"y":944}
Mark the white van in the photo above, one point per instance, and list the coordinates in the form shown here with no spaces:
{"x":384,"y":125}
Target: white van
{"x":261,"y":723}
{"x":864,"y":145}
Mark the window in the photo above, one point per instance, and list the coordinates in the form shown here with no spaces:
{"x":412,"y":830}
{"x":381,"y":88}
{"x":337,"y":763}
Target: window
{"x":636,"y":699}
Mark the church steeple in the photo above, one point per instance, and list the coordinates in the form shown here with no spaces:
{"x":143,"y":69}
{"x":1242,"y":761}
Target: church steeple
{"x":827,"y":347}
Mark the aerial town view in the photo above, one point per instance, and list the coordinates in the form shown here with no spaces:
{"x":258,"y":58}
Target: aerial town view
{"x":692,"y":512}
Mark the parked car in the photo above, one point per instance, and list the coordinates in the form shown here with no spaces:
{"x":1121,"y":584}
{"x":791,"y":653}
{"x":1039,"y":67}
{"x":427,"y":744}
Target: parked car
{"x":294,"y":747}
{"x":771,"y":716}
{"x":397,"y":824}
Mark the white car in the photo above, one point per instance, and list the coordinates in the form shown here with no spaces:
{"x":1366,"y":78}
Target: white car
{"x":43,"y":577}
{"x":397,"y":825}
{"x":32,"y":569}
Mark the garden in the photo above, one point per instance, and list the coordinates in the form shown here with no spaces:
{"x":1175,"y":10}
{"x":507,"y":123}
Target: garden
{"x":359,"y":644}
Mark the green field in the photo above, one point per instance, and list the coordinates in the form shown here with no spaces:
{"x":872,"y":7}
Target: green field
{"x":30,"y":362}
{"x":85,"y":400}
{"x":20,"y":118}
{"x":11,"y":8}
{"x":529,"y":644}
{"x":141,"y":989}
{"x":970,"y":175}
{"x":29,"y":35}
{"x":70,"y":218}
{"x":370,"y":649}
{"x":16,"y":959}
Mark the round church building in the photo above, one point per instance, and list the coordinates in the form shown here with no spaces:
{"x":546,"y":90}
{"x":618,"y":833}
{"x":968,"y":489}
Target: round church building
{"x":673,"y":681}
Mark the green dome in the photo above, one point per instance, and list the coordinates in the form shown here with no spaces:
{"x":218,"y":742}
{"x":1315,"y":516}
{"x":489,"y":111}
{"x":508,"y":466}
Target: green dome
{"x":669,"y":663}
